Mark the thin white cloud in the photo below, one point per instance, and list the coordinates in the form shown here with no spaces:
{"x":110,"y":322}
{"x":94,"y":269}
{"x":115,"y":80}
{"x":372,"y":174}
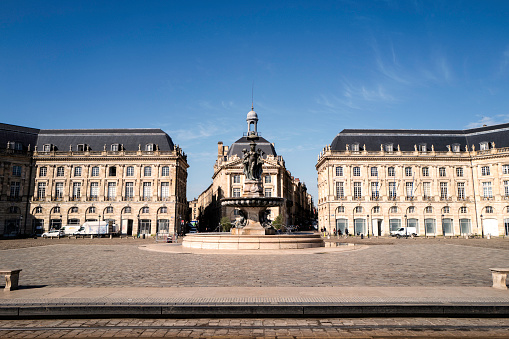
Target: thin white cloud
{"x":488,"y":121}
{"x":505,"y":61}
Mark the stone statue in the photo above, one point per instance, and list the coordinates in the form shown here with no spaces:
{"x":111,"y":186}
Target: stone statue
{"x":241,"y":221}
{"x":252,"y":163}
{"x":448,"y":148}
{"x":432,"y":148}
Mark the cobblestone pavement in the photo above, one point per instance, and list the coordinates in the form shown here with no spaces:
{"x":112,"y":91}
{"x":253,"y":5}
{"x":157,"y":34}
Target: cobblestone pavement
{"x":258,"y":328}
{"x":406,"y":262}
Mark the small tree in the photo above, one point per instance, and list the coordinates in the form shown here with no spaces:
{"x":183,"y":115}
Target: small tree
{"x":278,"y":222}
{"x":226,"y":225}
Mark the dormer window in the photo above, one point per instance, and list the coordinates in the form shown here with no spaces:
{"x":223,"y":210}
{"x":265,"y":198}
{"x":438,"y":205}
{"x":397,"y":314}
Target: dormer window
{"x":422,"y":148}
{"x":456,"y":148}
{"x":81,"y":147}
{"x":115,"y":147}
{"x":389,"y":147}
{"x":355,"y":147}
{"x":46,"y":148}
{"x":149,"y":147}
{"x":483,"y":146}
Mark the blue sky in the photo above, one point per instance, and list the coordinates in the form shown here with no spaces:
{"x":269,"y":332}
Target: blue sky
{"x":318,"y":67}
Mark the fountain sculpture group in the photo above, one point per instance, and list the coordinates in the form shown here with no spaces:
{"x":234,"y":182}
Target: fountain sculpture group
{"x":252,"y":231}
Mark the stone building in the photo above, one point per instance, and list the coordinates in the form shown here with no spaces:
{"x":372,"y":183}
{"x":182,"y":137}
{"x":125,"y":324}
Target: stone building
{"x":443,"y":182}
{"x":134,"y":177}
{"x":228,"y":181}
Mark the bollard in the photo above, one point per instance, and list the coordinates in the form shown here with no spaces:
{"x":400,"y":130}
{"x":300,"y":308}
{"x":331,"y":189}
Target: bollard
{"x":111,"y":236}
{"x":91,"y":236}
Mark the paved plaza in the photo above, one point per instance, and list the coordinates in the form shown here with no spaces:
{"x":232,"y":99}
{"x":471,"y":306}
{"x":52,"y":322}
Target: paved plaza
{"x":119,"y":262}
{"x":138,"y":275}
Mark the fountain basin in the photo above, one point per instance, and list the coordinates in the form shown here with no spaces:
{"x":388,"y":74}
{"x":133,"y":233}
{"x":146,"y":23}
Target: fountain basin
{"x":227,"y":241}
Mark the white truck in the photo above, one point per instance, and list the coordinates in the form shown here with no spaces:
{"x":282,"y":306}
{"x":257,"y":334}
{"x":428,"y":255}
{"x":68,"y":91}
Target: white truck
{"x":70,"y":229}
{"x":405,"y":232}
{"x":98,"y":228}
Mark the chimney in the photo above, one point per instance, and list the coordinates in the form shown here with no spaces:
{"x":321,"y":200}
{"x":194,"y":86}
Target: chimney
{"x":220,"y":149}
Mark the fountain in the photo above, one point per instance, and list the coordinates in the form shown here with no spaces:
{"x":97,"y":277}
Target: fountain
{"x":249,"y":233}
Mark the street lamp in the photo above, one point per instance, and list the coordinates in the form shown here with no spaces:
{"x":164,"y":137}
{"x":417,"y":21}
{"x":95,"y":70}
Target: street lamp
{"x":367,"y":216}
{"x":482,"y":227}
{"x":443,"y":231}
{"x":406,"y":226}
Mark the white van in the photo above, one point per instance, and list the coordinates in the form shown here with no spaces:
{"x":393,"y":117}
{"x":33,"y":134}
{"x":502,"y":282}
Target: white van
{"x":405,"y":232}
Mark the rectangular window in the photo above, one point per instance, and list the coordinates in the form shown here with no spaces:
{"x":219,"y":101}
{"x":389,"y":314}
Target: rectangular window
{"x":429,"y":225}
{"x":505,"y":169}
{"x":46,"y":148}
{"x":43,"y":171}
{"x":459,"y":171}
{"x":16,"y":171}
{"x":81,"y":148}
{"x":165,"y":190}
{"x":59,"y":190}
{"x":114,"y":147}
{"x":356,"y":171}
{"x":483,"y":146}
{"x":112,"y":171}
{"x":461,"y":190}
{"x":165,"y":171}
{"x":456,"y":148}
{"x":374,"y":171}
{"x":409,"y":189}
{"x":391,"y":172}
{"x":130,"y":171}
{"x":41,"y":190}
{"x":14,"y":189}
{"x":95,"y":171}
{"x":94,"y":189}
{"x":357,"y":190}
{"x":236,"y":193}
{"x":443,"y":191}
{"x":392,"y":190}
{"x":76,"y":190}
{"x":485,"y":170}
{"x":77,"y":171}
{"x":268,"y":192}
{"x":340,"y":191}
{"x":236,"y":179}
{"x":422,"y":148}
{"x":339,"y":171}
{"x":506,"y":188}
{"x":374,"y":190}
{"x":112,"y":190}
{"x":268,"y":179}
{"x":394,"y":224}
{"x":355,"y":147}
{"x":465,"y":226}
{"x":426,"y":189}
{"x":425,"y":172}
{"x":60,"y":171}
{"x":447,"y":226}
{"x":389,"y":148}
{"x":441,"y":171}
{"x":487,"y":190}
{"x":147,"y":171}
{"x":129,"y":190}
{"x":147,"y":190}
{"x":408,"y":171}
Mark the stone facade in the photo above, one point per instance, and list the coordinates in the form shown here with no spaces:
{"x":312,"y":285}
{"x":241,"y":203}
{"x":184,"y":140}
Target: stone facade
{"x":442,"y":182}
{"x":68,"y":179}
{"x":228,"y":182}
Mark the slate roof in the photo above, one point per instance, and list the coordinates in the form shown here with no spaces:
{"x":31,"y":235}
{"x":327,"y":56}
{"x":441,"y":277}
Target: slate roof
{"x":406,"y":139}
{"x":243,"y":143}
{"x":24,"y":135}
{"x":97,"y":138}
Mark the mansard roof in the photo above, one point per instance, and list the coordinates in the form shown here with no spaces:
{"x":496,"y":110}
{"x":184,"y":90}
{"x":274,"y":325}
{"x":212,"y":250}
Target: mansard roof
{"x":243,"y":143}
{"x":95,"y":139}
{"x":407,"y":138}
{"x":17,"y":134}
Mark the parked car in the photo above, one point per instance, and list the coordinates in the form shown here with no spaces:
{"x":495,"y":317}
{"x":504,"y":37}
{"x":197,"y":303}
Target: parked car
{"x":53,"y":234}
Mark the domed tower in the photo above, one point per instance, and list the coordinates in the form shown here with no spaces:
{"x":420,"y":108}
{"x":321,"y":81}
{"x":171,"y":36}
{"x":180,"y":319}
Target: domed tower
{"x":252,"y":119}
